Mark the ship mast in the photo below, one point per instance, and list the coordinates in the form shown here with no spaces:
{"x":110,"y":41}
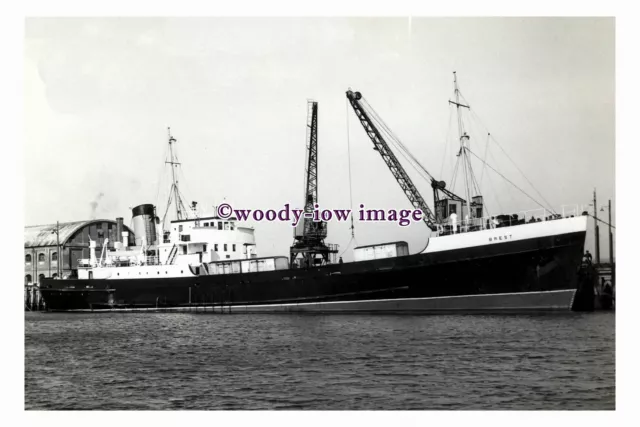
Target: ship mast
{"x":174,"y":193}
{"x":464,"y":143}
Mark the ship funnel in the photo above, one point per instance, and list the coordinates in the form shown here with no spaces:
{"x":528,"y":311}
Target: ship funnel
{"x":144,"y":226}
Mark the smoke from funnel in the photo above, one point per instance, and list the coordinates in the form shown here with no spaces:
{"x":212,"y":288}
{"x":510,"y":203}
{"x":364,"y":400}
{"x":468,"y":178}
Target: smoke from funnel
{"x":94,"y":205}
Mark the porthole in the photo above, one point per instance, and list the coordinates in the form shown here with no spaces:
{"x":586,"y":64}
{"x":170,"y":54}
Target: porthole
{"x":158,"y":272}
{"x":181,"y":271}
{"x":118,"y":274}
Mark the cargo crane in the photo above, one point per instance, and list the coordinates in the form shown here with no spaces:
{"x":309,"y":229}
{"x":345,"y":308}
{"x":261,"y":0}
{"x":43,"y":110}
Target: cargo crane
{"x":308,"y":248}
{"x":380,"y":145}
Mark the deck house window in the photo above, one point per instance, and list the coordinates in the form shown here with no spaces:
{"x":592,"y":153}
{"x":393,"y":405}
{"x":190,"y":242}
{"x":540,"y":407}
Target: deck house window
{"x":180,"y":228}
{"x":234,"y":247}
{"x":54,"y":257}
{"x":225,"y":247}
{"x":41,"y":258}
{"x":27,"y":258}
{"x":215,"y":247}
{"x":219,"y":225}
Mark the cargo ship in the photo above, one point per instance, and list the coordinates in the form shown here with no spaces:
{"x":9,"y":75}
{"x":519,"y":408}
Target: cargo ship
{"x":526,"y":261}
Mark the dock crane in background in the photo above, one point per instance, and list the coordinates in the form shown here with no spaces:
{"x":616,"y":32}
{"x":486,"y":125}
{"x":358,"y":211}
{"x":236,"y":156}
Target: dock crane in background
{"x":308,"y":248}
{"x":442,"y":204}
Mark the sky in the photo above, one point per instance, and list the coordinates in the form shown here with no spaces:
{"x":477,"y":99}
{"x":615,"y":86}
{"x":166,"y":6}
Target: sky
{"x":100,"y":94}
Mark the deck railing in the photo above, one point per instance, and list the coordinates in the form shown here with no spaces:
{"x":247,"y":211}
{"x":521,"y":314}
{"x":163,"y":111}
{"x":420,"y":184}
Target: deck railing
{"x":507,"y":220}
{"x":119,"y":261}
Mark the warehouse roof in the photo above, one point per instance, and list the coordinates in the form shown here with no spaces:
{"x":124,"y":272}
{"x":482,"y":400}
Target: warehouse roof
{"x":44,"y":235}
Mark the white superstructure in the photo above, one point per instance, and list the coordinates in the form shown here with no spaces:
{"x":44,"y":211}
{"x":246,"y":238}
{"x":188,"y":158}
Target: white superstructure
{"x":180,"y":248}
{"x":180,"y":251}
{"x":212,"y":238}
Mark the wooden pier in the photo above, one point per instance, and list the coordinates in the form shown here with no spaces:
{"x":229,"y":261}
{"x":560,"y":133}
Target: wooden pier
{"x":32,"y":299}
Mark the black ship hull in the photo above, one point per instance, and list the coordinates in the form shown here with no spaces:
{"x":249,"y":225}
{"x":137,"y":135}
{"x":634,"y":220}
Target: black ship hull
{"x":516,"y":275}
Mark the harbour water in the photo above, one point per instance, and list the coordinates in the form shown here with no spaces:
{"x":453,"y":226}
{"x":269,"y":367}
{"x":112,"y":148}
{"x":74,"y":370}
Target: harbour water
{"x":172,"y":361}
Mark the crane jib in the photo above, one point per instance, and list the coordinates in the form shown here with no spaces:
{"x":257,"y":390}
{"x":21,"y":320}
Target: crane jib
{"x":398,"y":172}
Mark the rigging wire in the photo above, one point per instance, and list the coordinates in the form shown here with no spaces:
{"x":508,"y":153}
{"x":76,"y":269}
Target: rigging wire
{"x":393,"y":137}
{"x":466,"y":163}
{"x":349,"y":158}
{"x":378,"y":122}
{"x":393,"y":140}
{"x":175,"y":191}
{"x":185,"y":182}
{"x":181,"y":196}
{"x":353,"y":239}
{"x":454,"y":178}
{"x":508,"y":191}
{"x":161,"y":174}
{"x":475,"y":189}
{"x":353,"y":236}
{"x":514,"y":163}
{"x":484,"y":166}
{"x":166,"y":211}
{"x":475,"y":115}
{"x":474,"y":181}
{"x":471,"y":128}
{"x":503,"y":177}
{"x":604,"y":222}
{"x":495,"y":197}
{"x":446,"y":142}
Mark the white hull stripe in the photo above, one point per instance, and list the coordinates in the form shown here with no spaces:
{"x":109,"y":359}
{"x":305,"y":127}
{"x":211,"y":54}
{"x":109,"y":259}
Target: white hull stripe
{"x":507,"y":234}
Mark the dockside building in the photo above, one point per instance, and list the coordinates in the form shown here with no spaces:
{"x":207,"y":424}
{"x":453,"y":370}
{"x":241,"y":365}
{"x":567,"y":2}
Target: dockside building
{"x":44,"y":258}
